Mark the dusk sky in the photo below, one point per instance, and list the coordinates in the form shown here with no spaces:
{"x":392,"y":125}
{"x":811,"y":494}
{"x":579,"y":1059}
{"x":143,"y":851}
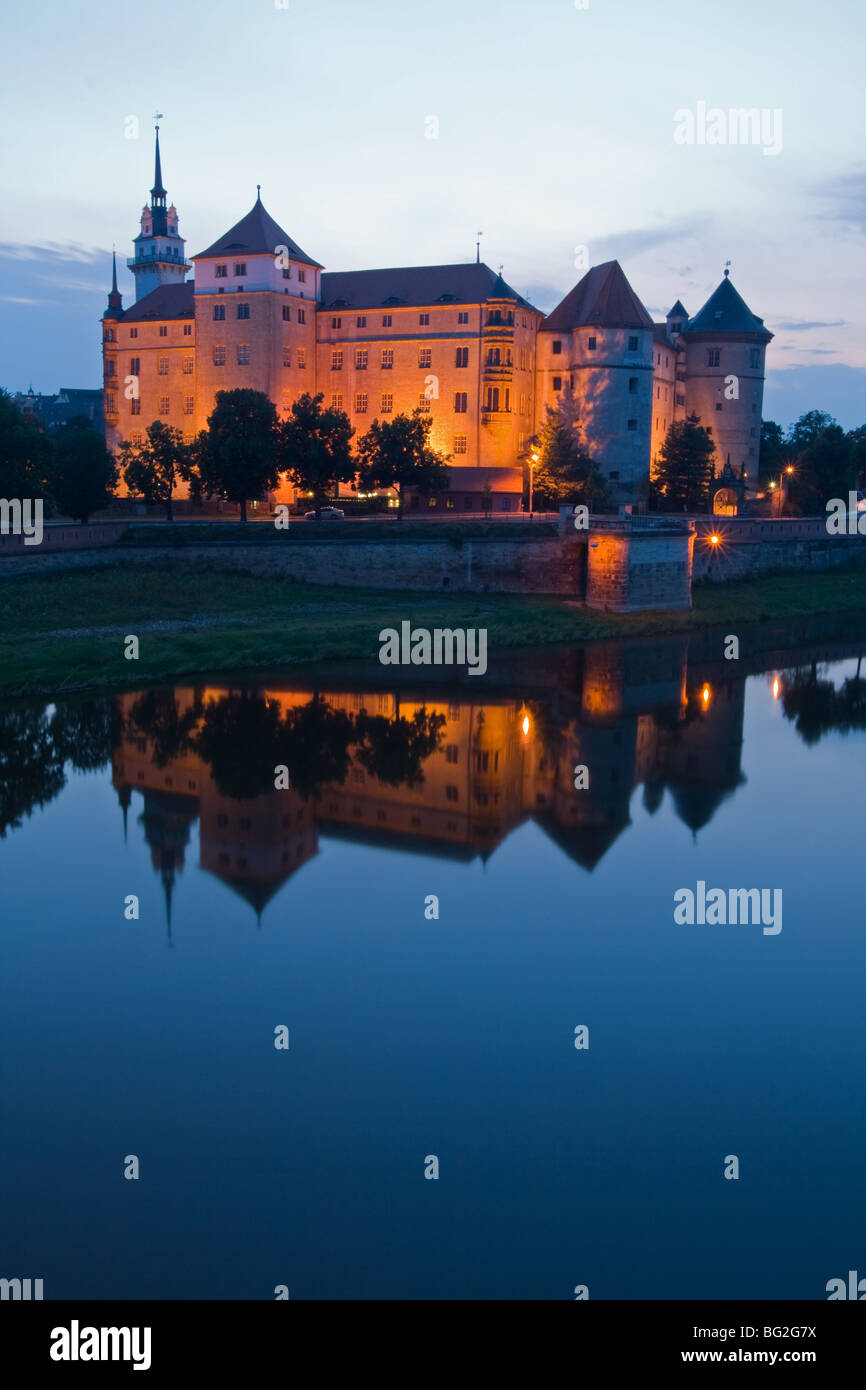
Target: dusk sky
{"x":553,"y":128}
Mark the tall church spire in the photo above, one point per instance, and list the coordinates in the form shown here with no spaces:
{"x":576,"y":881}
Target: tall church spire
{"x":160,"y":257}
{"x":157,"y":191}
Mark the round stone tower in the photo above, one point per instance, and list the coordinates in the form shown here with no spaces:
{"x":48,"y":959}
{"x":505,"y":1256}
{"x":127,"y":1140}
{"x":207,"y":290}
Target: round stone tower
{"x":599,"y":341}
{"x":725,"y":345}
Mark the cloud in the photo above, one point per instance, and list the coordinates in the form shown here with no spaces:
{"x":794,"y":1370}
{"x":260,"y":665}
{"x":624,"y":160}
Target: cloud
{"x":622,"y":245}
{"x":803,"y":325}
{"x":848,"y":193}
{"x":57,"y":250}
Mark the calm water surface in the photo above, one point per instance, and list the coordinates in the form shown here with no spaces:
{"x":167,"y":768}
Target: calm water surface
{"x":412,"y":1036}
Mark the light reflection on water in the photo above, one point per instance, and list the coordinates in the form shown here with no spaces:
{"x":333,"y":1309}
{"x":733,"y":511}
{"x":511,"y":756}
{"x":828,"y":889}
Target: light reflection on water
{"x":452,"y":1036}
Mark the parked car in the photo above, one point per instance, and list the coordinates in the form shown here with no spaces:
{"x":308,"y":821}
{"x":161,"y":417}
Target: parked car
{"x":326,"y":514}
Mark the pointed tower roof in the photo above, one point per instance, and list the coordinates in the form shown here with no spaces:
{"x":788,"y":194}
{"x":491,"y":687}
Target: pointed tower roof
{"x":115,"y":298}
{"x":157,"y":190}
{"x":679,"y":311}
{"x":602,"y":299}
{"x":727,"y":312}
{"x":257,"y":234}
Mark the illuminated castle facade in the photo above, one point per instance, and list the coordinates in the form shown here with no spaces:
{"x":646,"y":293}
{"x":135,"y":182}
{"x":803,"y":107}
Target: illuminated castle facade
{"x":455,"y":340}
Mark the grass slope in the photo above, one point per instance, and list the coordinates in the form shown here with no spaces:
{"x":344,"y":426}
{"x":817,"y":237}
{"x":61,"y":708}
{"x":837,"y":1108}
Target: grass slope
{"x":65,"y":632}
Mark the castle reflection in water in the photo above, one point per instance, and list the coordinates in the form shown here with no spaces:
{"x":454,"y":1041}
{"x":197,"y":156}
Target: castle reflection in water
{"x":433,"y":769}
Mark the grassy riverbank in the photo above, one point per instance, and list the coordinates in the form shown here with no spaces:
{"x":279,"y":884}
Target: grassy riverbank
{"x":65,"y":632}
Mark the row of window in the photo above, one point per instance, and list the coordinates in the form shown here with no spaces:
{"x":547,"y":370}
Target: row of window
{"x":592,"y":344}
{"x":388,"y":321}
{"x":494,"y":401}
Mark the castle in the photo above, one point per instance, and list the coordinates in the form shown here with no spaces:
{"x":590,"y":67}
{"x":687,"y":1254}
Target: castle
{"x":455,"y":340}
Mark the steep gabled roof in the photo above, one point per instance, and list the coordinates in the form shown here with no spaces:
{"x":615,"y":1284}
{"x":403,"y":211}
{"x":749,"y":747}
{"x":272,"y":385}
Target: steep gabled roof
{"x":727,"y":312}
{"x":256,"y":234}
{"x":602,"y":299}
{"x":165,"y":302}
{"x":677,"y":312}
{"x":409,"y":286}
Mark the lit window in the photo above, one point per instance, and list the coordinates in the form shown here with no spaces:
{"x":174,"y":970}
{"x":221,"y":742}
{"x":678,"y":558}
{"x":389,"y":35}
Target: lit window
{"x":461,"y":443}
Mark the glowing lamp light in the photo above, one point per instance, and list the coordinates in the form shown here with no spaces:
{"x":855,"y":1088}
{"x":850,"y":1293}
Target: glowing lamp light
{"x":789,"y":469}
{"x":772,"y":484}
{"x":525,"y":725}
{"x":776,"y":688}
{"x":714,"y":540}
{"x":705,"y":694}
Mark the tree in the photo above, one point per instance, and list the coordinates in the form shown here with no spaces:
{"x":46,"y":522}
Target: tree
{"x":823,"y":470}
{"x":82,"y":472}
{"x":25,"y":451}
{"x":807,"y":429}
{"x":398,"y":453}
{"x":685,"y":466}
{"x":774,"y":450}
{"x":565,"y":471}
{"x":314,"y":448}
{"x":237,"y":455}
{"x":857,"y":440}
{"x":154,"y":468}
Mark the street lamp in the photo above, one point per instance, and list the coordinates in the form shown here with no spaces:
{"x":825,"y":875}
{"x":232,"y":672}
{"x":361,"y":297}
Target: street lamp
{"x":532,"y":463}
